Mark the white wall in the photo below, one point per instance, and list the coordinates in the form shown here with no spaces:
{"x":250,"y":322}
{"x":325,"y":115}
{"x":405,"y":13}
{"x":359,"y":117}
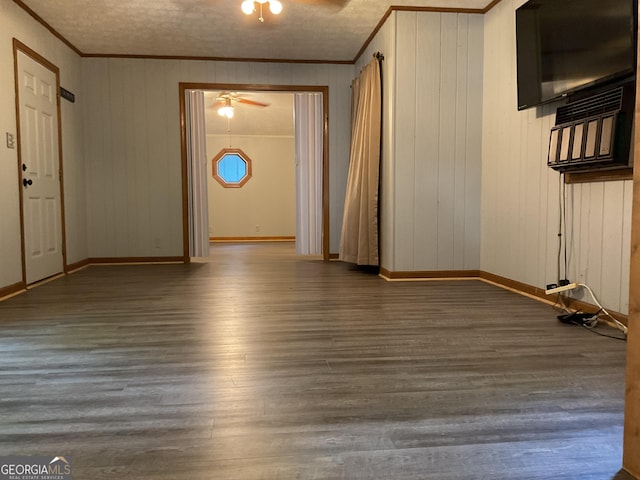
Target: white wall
{"x":267,"y":199}
{"x":520,"y":194}
{"x":432,"y":116}
{"x":14,"y":22}
{"x":133,"y":147}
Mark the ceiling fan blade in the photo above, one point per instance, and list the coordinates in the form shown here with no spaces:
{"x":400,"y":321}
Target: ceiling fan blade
{"x":250,"y":102}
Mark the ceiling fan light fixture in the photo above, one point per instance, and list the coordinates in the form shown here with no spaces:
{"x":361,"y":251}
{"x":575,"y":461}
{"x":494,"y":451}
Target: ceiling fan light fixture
{"x":275,"y":6}
{"x":249,"y":6}
{"x":226,"y":112}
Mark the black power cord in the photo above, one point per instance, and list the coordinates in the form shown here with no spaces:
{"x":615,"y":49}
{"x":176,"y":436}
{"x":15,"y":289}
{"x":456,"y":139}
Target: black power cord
{"x":579,"y":318}
{"x":588,"y":321}
{"x":614,"y":337}
{"x":562,"y":263}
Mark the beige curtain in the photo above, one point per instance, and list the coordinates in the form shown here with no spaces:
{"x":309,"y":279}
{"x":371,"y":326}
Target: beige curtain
{"x":359,"y":240}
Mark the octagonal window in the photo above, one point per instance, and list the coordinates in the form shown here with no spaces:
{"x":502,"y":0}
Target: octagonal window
{"x":231,"y":167}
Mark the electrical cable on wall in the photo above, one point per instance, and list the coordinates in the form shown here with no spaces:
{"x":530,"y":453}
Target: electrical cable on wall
{"x":564,"y":222}
{"x":579,"y":318}
{"x":560,"y":202}
{"x":562,"y":260}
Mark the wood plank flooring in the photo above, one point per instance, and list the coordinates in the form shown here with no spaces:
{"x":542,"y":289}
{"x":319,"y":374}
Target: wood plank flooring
{"x":259,"y":365}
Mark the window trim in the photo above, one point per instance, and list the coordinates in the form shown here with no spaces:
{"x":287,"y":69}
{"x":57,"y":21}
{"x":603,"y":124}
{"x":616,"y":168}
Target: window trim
{"x":231,"y":151}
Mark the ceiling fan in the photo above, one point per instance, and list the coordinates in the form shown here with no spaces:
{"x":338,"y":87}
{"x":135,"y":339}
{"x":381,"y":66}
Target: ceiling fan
{"x":225,"y":103}
{"x":249,"y":7}
{"x":327,"y":3}
{"x":321,"y":3}
{"x":333,"y":4}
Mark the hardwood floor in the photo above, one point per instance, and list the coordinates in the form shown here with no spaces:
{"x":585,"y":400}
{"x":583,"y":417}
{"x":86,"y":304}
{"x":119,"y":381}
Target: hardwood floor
{"x":258,"y":364}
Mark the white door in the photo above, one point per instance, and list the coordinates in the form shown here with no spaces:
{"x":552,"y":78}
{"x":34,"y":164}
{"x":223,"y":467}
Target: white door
{"x":41,"y":176}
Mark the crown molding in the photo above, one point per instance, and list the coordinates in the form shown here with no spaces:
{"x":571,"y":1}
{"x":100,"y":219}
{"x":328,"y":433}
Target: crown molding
{"x":384,"y":18}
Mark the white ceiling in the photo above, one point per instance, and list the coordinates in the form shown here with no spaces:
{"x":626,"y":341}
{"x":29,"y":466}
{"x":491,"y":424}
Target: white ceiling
{"x":313,"y":30}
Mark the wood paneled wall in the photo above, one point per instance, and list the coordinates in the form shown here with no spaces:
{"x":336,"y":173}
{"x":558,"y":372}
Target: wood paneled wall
{"x":132,"y":148}
{"x":520,"y":194}
{"x":433,"y":118}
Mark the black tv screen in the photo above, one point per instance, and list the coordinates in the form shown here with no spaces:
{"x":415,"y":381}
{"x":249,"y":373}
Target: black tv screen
{"x":564,"y":46}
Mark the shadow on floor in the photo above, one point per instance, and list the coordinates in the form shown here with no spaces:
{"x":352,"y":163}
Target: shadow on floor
{"x":622,"y":475}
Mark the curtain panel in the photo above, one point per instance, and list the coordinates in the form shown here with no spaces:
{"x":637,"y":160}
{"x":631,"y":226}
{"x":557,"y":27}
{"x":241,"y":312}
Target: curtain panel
{"x":359,"y":239}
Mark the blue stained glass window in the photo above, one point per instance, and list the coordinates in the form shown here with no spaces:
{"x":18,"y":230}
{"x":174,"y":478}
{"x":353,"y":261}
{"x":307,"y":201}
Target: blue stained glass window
{"x":231,"y":168}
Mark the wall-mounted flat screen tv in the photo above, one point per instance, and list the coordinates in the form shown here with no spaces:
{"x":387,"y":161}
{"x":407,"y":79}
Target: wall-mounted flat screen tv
{"x":564,"y":46}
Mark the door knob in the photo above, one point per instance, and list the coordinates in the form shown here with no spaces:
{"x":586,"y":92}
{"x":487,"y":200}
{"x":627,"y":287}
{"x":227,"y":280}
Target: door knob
{"x":26,"y":182}
{"x":24,"y":167}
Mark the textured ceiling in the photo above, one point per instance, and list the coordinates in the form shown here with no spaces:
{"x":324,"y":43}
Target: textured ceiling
{"x":312,"y":30}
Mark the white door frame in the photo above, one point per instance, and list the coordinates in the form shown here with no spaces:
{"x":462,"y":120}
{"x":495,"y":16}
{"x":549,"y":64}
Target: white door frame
{"x":256,"y":88}
{"x":20,"y":47}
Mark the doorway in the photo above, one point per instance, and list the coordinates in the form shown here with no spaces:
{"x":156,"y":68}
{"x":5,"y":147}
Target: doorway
{"x":257,"y":130}
{"x":248,"y":90}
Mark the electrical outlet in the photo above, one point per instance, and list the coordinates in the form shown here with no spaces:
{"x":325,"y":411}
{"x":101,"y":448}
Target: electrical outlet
{"x":11,"y":140}
{"x":257,"y":228}
{"x":156,"y":243}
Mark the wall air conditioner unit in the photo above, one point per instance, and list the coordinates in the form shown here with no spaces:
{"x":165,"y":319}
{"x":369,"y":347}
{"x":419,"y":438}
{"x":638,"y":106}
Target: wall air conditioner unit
{"x":594,"y":133}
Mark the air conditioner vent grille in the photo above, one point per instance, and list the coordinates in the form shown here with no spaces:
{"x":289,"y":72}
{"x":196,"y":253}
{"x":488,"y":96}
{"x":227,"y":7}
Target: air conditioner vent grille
{"x":609,"y":101}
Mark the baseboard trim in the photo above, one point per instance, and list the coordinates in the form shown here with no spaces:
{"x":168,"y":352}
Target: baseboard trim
{"x":429,"y":275}
{"x":133,"y":260}
{"x":12,"y":290}
{"x":538,"y":294}
{"x":251,"y":239}
{"x":74,"y":267}
{"x":518,"y":287}
{"x":20,"y":287}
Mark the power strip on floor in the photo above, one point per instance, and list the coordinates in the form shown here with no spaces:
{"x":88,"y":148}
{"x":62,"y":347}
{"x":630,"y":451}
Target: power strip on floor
{"x":561,"y":288}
